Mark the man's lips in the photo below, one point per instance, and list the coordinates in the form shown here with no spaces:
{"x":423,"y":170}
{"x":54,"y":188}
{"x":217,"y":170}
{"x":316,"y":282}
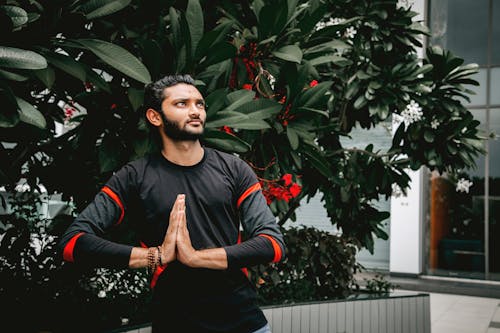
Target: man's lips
{"x":195,"y":122}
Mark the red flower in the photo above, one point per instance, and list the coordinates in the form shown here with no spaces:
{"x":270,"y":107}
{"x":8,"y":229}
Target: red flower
{"x":287,"y":178}
{"x":227,"y":129}
{"x":247,"y":86}
{"x":313,"y":83}
{"x":295,"y":189}
{"x":113,"y":106}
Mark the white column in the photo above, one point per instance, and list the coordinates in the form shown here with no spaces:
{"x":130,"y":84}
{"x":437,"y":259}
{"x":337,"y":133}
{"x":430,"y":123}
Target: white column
{"x":408,"y":212}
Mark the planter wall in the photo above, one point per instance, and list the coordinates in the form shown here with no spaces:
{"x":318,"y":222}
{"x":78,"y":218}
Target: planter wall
{"x":399,"y":312}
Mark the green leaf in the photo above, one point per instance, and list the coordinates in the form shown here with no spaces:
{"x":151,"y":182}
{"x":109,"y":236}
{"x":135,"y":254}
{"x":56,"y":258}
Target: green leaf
{"x":29,"y":114}
{"x":99,"y":8}
{"x":226,"y":141}
{"x":429,"y":136}
{"x":260,"y":108}
{"x":118,"y":58}
{"x":306,"y":109}
{"x":11,"y":57}
{"x":218,"y":53}
{"x":241,"y":121}
{"x":67,"y":64}
{"x":239,"y":97}
{"x":194,"y":18}
{"x":319,"y":162}
{"x":315,"y":95}
{"x":290,"y":53}
{"x":96,"y":80}
{"x":18,"y":15}
{"x":293,"y":138}
{"x":215,"y":101}
{"x":337,"y":60}
{"x":175,"y":25}
{"x":47,"y":76}
{"x":136,"y":97}
{"x":12,"y":76}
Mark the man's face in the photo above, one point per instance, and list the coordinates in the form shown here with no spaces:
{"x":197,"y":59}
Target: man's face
{"x":183,"y":113}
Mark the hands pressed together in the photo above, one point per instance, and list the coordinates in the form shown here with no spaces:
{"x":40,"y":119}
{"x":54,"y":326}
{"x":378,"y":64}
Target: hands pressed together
{"x":177,"y":244}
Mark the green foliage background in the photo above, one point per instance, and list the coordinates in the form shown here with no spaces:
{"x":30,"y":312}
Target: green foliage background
{"x":92,"y":58}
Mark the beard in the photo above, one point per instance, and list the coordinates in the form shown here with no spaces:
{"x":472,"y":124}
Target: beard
{"x":175,"y":132}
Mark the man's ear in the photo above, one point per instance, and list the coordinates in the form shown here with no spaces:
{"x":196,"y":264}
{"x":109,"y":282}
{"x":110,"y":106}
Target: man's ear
{"x":153,"y":117}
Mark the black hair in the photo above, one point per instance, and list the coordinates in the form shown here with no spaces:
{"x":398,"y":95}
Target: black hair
{"x":154,"y":91}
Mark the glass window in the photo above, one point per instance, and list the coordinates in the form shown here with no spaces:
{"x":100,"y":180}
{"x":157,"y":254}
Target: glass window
{"x":479,"y":98}
{"x":495,"y":86}
{"x":496,"y":33}
{"x":462,"y":27}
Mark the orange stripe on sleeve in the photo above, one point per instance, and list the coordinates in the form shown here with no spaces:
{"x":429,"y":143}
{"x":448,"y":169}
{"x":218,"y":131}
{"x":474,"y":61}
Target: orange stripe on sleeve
{"x":116,"y":199}
{"x":276,"y":247}
{"x":69,"y":248}
{"x":250,"y":190}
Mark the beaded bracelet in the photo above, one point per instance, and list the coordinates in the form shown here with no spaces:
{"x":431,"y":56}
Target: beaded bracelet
{"x":152,"y":259}
{"x":159,"y":256}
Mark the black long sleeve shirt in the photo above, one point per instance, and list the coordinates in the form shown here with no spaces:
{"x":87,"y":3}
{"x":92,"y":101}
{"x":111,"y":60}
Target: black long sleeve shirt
{"x":223,"y":196}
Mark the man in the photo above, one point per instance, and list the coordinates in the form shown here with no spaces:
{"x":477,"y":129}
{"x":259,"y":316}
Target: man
{"x":190,"y":202}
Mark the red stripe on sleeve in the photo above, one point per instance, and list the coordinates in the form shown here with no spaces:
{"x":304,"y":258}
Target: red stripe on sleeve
{"x":116,"y":199}
{"x":276,"y":247}
{"x":156,"y":274}
{"x":250,"y":190}
{"x":69,"y":248}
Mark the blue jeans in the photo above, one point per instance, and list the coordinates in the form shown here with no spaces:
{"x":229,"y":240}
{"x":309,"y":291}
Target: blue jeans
{"x":265,"y":329}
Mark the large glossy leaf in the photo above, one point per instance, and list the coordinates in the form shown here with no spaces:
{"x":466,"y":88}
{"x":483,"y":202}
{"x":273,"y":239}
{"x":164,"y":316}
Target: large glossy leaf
{"x":12,"y":76}
{"x":311,"y":97}
{"x":18,"y":15}
{"x":260,"y":108}
{"x":220,"y":52}
{"x":46,"y":75}
{"x":293,"y":138}
{"x":215,"y":101}
{"x":29,"y":114}
{"x":11,"y":57}
{"x":118,"y":58}
{"x":239,"y":97}
{"x":194,"y":18}
{"x":99,"y":8}
{"x":226,"y":141}
{"x":240,"y":121}
{"x":67,"y":64}
{"x":290,"y":53}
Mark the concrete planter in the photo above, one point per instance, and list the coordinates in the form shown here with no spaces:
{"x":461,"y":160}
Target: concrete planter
{"x":397,"y":312}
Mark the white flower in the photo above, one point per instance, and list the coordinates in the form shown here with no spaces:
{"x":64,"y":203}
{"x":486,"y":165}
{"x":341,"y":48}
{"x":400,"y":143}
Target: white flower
{"x":272,"y":80}
{"x":331,"y":21}
{"x":396,"y":191}
{"x":101,"y":294}
{"x":124,"y":321}
{"x":350,"y":32}
{"x":405,"y":4}
{"x":412,"y":113}
{"x":463,"y":185}
{"x":435,"y":124}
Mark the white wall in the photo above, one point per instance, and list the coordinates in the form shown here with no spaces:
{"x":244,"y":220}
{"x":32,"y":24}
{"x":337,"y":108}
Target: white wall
{"x":407,"y":213}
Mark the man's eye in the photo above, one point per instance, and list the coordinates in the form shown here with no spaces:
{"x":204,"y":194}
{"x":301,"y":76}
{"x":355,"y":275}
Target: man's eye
{"x":180,"y":104}
{"x":201,"y":105}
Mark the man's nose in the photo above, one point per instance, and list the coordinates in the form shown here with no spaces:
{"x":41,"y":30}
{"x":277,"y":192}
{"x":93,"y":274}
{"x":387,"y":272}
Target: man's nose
{"x":194,"y":111}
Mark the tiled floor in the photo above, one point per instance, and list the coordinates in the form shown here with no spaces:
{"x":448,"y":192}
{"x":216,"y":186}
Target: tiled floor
{"x":464,"y":314}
